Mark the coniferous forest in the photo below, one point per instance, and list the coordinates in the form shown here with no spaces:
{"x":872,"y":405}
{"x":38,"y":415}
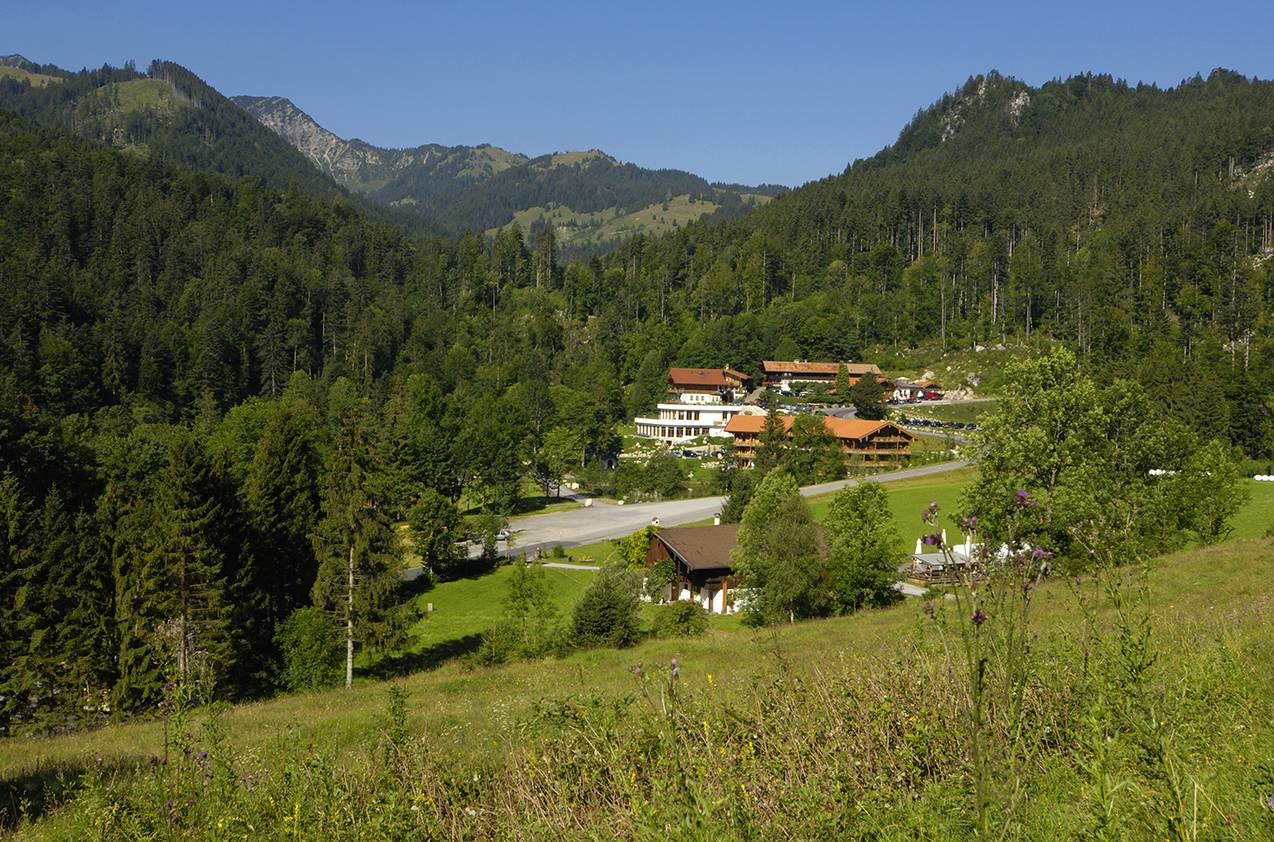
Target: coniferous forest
{"x":220,"y":385}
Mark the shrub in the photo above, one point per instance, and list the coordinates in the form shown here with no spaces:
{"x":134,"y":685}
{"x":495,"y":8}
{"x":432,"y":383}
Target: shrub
{"x":607,"y":613}
{"x":681,"y":619}
{"x":659,"y":577}
{"x":311,"y":650}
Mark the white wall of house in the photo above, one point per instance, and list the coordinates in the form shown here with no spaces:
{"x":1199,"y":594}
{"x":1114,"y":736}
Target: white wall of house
{"x":684,"y":420}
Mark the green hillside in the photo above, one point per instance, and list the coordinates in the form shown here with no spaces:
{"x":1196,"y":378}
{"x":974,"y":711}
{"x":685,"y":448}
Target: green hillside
{"x":35,"y":80}
{"x":170,"y":114}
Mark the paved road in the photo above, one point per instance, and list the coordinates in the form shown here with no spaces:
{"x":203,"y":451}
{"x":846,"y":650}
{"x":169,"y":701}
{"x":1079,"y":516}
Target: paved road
{"x":602,"y":521}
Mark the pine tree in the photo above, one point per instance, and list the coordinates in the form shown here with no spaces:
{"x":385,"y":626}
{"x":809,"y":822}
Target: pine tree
{"x":868,"y":398}
{"x":357,"y":550}
{"x":183,"y":576}
{"x":173,"y":596}
{"x":17,"y":552}
{"x":773,"y":443}
{"x":60,"y":662}
{"x":281,"y":495}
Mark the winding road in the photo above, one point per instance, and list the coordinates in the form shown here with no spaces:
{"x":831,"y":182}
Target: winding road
{"x":601,"y":521}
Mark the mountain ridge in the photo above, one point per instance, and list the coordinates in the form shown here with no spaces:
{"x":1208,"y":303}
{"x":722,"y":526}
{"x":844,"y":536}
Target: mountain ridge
{"x":486,"y":187}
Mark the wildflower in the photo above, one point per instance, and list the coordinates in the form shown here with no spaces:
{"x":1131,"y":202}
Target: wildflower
{"x":203,"y":755}
{"x":934,"y":540}
{"x":927,"y":608}
{"x":1023,"y":499}
{"x":969,"y":523}
{"x":979,"y":616}
{"x":930,"y":513}
{"x":1041,"y":554}
{"x":676,"y":670}
{"x":1269,"y":802}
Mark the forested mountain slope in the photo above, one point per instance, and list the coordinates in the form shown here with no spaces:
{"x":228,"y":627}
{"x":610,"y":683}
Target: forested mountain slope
{"x":1136,"y":222}
{"x":173,"y":340}
{"x":167,"y":113}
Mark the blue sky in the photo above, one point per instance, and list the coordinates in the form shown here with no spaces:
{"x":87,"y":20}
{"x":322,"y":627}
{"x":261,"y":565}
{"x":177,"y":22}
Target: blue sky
{"x":739,"y":91}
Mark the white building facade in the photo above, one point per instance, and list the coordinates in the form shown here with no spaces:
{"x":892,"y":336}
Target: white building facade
{"x":692,"y":416}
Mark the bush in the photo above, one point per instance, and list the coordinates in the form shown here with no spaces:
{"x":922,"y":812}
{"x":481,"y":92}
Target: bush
{"x":607,"y":613}
{"x":311,"y":650}
{"x":681,"y":619}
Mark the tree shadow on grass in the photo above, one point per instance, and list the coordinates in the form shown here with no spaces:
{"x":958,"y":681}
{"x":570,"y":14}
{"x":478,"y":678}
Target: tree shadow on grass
{"x":431,"y":657}
{"x":27,"y":795}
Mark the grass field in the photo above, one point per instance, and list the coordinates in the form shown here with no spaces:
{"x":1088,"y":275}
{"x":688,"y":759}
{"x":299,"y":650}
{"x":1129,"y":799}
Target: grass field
{"x":465,"y":608}
{"x":593,"y":228}
{"x":137,"y":95}
{"x":963,"y":412}
{"x":479,"y":720}
{"x":1256,"y":518}
{"x":37,"y":80}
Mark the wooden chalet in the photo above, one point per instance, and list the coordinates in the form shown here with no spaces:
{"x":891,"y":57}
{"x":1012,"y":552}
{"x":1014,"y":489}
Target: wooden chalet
{"x":701,"y":562}
{"x":872,"y":444}
{"x":796,"y":374}
{"x":707,"y":381}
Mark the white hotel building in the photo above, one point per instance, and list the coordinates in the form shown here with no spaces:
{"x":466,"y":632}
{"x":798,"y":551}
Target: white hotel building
{"x":693,"y":415}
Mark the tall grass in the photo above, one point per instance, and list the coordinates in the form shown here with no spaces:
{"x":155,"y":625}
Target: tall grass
{"x":1128,"y":723}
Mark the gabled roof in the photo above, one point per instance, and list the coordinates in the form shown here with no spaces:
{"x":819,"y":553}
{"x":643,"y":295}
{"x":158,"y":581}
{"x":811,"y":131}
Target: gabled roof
{"x":806,"y":367}
{"x":845,"y":429}
{"x":701,"y":547}
{"x":705,"y":376}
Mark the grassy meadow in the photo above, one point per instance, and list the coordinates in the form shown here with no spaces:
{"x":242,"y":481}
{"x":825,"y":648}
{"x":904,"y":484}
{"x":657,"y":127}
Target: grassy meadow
{"x":836,"y":728}
{"x":844,"y":727}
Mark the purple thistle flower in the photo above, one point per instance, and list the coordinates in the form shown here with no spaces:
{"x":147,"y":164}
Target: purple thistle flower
{"x":969,"y":523}
{"x":1041,"y":554}
{"x":676,"y":670}
{"x":1023,"y":499}
{"x":979,"y":616}
{"x":933,"y":540}
{"x":930,"y":513}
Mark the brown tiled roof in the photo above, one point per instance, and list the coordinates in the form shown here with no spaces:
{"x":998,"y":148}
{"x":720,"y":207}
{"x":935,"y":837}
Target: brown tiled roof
{"x":701,"y":547}
{"x":842,"y":428}
{"x":704,"y":376}
{"x":805,"y":367}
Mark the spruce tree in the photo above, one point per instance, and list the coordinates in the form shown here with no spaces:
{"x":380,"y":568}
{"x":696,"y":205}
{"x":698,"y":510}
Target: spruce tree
{"x":281,"y":496}
{"x":357,"y":550}
{"x":17,"y":551}
{"x":868,"y":398}
{"x":773,"y":440}
{"x":175,"y":594}
{"x":60,"y":658}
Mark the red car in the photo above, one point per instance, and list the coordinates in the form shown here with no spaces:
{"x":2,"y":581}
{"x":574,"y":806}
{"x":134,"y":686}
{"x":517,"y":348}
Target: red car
{"x":931,"y":394}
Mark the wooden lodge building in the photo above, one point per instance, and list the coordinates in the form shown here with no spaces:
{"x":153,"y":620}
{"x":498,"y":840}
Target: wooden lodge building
{"x":870,"y":444}
{"x":701,"y":563}
{"x":793,"y":375}
{"x":702,"y":402}
{"x":705,"y":381}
